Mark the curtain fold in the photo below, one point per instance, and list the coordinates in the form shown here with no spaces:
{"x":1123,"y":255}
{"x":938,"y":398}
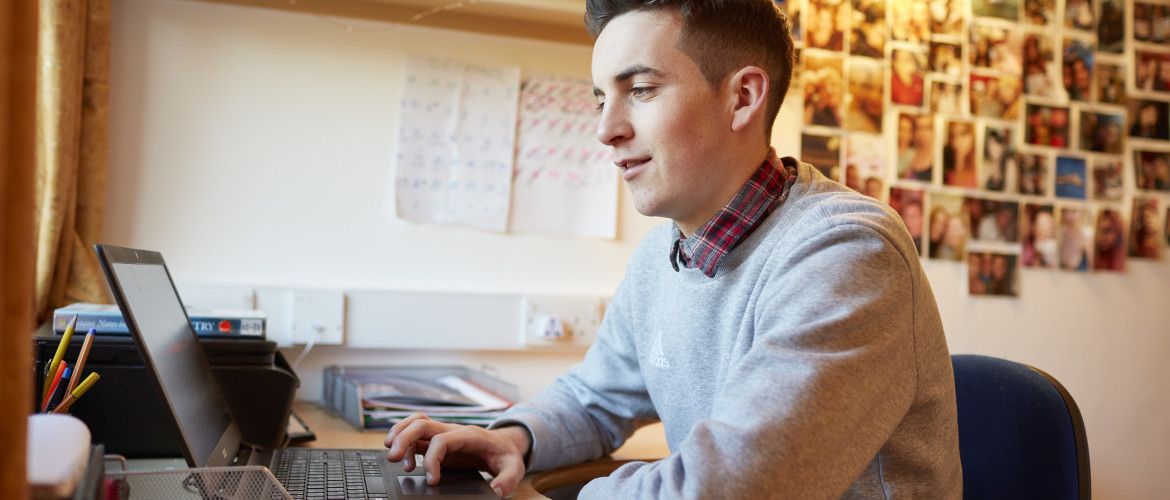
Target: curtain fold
{"x":18,"y":49}
{"x":73,"y":102}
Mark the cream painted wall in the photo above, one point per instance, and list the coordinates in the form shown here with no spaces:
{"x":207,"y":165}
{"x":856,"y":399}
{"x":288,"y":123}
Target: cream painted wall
{"x":253,"y":148}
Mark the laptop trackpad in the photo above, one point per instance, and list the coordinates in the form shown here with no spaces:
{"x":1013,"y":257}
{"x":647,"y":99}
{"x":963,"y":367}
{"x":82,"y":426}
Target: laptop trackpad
{"x":417,"y":485}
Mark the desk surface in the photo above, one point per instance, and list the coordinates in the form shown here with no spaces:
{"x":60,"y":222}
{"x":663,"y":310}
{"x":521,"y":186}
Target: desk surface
{"x":334,"y":432}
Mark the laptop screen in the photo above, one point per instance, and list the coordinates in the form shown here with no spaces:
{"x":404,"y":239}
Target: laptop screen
{"x":171,"y":351}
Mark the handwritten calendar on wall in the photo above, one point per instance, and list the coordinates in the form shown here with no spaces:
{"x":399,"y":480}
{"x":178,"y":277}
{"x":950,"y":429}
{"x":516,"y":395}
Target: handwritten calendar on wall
{"x":565,"y":180}
{"x":478,"y":149}
{"x":456,"y":142}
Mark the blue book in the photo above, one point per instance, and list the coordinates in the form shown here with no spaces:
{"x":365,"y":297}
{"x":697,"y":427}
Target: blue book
{"x":107,"y":320}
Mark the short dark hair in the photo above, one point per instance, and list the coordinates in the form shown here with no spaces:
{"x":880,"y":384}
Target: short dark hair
{"x":721,"y":36}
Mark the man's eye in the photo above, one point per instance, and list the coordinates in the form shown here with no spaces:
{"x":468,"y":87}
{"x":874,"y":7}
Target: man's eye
{"x":600,"y":106}
{"x":640,"y":91}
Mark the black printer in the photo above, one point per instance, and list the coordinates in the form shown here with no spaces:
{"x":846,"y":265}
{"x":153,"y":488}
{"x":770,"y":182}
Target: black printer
{"x":125,"y":413}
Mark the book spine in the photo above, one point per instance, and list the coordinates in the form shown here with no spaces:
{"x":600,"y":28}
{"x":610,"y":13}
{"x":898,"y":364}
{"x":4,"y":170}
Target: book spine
{"x":105,"y":323}
{"x":114,"y":324}
{"x":243,"y":327}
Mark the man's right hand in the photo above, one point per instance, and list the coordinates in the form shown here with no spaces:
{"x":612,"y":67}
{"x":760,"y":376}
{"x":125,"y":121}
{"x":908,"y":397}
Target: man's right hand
{"x":500,"y":451}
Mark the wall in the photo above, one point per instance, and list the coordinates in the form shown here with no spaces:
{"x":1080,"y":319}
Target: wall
{"x":253,"y":147}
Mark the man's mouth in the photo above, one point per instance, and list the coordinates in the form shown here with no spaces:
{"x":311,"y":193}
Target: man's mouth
{"x":631,"y":167}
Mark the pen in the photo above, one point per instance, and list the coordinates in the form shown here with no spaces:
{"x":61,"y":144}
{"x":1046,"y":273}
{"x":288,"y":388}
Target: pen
{"x":81,"y":357}
{"x":77,"y":393}
{"x":53,"y":387}
{"x":65,"y":337}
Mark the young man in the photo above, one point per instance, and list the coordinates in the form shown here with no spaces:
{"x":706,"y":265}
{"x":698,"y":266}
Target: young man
{"x":781,"y":327}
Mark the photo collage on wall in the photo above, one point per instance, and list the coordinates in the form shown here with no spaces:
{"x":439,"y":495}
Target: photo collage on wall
{"x":1009,"y":134}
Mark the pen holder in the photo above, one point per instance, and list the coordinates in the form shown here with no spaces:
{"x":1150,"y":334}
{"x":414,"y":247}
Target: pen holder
{"x":225,"y":483}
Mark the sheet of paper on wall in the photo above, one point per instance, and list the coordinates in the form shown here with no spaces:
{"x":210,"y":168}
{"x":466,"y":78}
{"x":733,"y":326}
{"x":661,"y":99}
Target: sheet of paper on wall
{"x":565,"y":179}
{"x":456,"y":143}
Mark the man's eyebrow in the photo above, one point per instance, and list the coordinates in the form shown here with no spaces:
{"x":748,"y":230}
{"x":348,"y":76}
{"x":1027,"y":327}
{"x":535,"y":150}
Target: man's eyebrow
{"x":630,"y":72}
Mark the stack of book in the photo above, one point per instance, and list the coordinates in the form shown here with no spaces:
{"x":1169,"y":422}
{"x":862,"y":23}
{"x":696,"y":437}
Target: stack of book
{"x":384,"y":396}
{"x":107,"y":320}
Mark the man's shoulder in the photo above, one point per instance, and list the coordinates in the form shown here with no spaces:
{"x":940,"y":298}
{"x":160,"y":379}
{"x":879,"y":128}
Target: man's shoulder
{"x":816,"y":199}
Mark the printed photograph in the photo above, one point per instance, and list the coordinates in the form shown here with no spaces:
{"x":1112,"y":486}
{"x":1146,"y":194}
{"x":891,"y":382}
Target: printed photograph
{"x":824,"y":89}
{"x":1077,"y":69}
{"x":797,"y":82}
{"x":1070,"y":177}
{"x":1111,"y":27}
{"x":1145,"y":242}
{"x":826,"y":24}
{"x":910,"y":21}
{"x":1109,"y":241}
{"x":822,"y":152}
{"x":1151,"y":170}
{"x":1151,"y":22}
{"x":906,"y":86}
{"x":996,"y":47}
{"x":958,"y":155}
{"x":863,"y":113}
{"x":865,"y":164}
{"x":1075,"y":234}
{"x":1110,"y":83}
{"x":867,"y":36}
{"x":1078,"y":14}
{"x":794,"y":16}
{"x":995,"y":96}
{"x":1108,"y":179}
{"x":995,"y":221}
{"x":1039,"y":66}
{"x":1046,"y":126}
{"x":947,"y":238}
{"x":915,"y":147}
{"x":946,"y":58}
{"x":946,"y":17}
{"x":1003,"y":9}
{"x":1039,"y":241}
{"x":1034,"y":174}
{"x":1102,"y":132}
{"x":909,"y":204}
{"x":999,"y":159}
{"x":992,"y":274}
{"x":1151,"y":70}
{"x":1149,"y":119}
{"x":946,"y":98}
{"x":1039,"y":12}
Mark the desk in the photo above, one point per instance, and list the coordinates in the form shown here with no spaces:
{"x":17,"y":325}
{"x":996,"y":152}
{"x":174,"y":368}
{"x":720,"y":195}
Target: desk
{"x":647,"y":443}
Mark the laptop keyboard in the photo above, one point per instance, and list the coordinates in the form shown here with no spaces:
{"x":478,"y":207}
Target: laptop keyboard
{"x":313,"y":474}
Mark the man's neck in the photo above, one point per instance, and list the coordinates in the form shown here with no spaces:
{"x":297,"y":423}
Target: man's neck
{"x":737,"y":171}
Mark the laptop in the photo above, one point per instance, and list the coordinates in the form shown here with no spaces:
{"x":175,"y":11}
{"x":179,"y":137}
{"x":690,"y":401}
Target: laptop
{"x":209,"y":437}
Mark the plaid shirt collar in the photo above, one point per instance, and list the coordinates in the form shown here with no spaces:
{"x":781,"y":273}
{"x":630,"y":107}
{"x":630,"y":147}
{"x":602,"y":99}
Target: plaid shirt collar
{"x":758,"y":198}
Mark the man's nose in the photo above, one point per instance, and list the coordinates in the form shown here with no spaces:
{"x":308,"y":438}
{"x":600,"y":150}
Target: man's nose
{"x":614,"y":125}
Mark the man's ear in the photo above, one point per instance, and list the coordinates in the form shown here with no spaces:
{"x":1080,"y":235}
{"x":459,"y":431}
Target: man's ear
{"x":749,"y":94}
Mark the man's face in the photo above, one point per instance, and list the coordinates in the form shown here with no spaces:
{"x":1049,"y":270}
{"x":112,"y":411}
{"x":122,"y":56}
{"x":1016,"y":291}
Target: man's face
{"x":664,"y":123}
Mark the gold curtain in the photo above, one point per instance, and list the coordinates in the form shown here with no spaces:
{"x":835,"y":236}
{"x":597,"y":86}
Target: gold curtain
{"x":18,"y":57}
{"x":73,"y":98}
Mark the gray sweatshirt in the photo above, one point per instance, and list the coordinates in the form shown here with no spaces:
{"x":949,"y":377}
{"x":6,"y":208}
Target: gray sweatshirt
{"x":813,"y":365}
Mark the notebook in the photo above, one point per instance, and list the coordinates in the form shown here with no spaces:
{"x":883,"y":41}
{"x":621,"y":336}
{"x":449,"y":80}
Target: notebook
{"x":209,"y":437}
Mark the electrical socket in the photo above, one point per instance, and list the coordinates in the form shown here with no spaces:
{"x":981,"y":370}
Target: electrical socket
{"x":568,"y":322}
{"x":318,"y":316}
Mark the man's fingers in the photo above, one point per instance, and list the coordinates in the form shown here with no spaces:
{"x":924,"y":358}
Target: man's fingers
{"x":511,"y":471}
{"x":403,"y":424}
{"x":432,"y":460}
{"x":408,"y":459}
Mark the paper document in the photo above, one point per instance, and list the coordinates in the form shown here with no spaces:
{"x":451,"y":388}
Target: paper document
{"x":456,"y":142}
{"x":565,"y":182}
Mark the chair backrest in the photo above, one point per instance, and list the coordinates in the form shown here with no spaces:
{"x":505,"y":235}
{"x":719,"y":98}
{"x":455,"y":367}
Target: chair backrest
{"x":1020,"y":432}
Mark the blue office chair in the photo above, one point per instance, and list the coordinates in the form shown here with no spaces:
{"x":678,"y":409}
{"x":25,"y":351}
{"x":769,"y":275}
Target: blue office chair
{"x":1020,"y":433}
